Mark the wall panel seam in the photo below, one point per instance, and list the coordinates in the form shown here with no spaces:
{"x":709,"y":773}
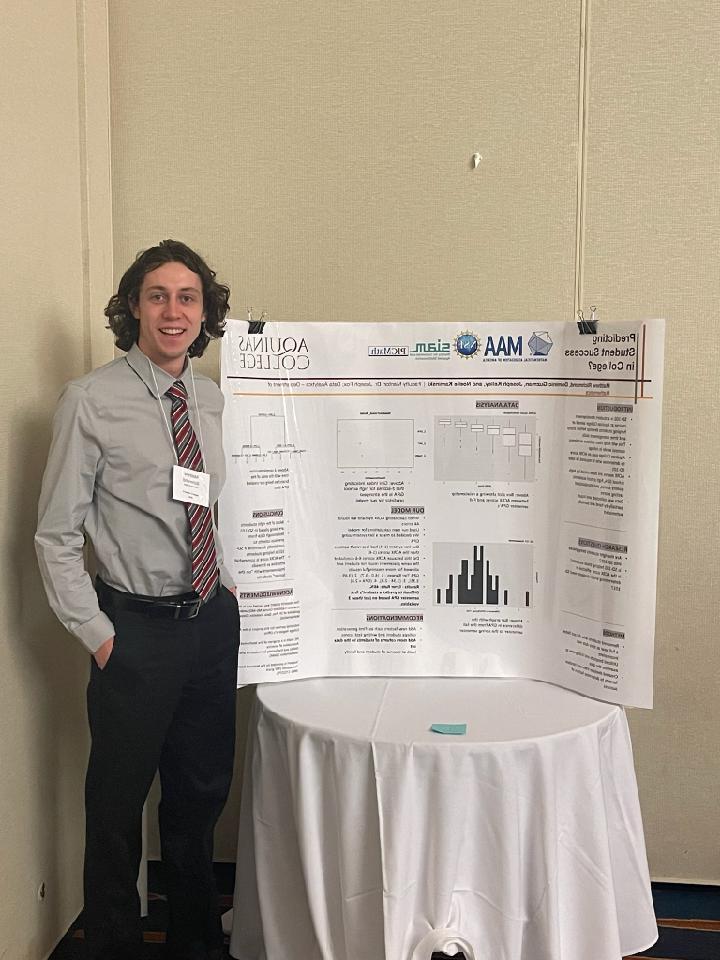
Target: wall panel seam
{"x":93,"y":56}
{"x":583,"y":72}
{"x":84,"y":187}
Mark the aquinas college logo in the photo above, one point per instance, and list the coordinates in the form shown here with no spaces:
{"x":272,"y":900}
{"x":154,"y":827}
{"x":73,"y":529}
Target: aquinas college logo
{"x":466,"y":344}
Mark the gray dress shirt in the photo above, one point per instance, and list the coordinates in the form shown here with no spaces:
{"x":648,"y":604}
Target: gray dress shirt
{"x":109,"y":476}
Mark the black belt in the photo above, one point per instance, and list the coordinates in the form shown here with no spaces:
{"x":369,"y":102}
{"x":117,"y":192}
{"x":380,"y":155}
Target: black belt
{"x":184,"y":606}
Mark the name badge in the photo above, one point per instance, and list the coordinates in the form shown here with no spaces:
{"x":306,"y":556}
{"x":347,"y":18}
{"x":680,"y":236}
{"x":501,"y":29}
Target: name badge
{"x":191,"y":486}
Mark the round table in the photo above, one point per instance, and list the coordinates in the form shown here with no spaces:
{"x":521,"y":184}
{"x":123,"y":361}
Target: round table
{"x":365,"y":835}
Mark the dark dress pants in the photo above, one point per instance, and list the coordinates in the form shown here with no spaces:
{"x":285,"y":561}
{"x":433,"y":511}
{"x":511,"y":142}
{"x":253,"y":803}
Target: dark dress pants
{"x":165,"y":700}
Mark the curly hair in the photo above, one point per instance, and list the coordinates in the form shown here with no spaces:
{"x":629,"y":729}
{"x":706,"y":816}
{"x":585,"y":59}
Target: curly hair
{"x":216,"y":296}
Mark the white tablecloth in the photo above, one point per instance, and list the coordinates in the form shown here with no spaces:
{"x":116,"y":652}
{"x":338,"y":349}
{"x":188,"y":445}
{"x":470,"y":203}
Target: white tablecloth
{"x":365,"y":836}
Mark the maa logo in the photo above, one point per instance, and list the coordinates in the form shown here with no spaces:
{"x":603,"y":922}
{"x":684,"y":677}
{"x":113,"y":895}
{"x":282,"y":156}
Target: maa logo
{"x":504,"y":347}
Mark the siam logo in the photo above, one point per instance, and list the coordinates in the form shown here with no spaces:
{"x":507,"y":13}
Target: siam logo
{"x":466,"y":344}
{"x":540,"y":343}
{"x":388,"y":351}
{"x":431,"y":350}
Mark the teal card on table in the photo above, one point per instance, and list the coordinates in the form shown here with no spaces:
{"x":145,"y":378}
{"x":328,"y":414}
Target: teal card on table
{"x":456,"y":729}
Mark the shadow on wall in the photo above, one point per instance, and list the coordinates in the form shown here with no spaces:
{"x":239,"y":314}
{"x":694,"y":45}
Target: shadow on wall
{"x":51,"y":670}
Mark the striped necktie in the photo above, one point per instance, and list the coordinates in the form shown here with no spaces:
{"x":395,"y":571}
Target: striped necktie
{"x":204,"y":568}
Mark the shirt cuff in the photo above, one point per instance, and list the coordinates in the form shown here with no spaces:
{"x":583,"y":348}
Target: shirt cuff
{"x":95,"y":632}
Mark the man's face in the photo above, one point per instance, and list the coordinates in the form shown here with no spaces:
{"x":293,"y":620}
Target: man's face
{"x":170,"y":311}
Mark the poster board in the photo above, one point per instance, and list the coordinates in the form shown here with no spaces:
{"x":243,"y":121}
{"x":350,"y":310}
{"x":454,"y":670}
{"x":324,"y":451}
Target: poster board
{"x":445,"y":499}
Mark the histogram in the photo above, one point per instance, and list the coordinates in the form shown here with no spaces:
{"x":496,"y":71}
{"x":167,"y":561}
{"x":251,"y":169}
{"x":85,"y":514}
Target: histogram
{"x":494,"y":575}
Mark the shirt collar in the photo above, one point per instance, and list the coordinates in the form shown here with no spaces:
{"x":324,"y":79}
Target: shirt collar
{"x":144,"y":368}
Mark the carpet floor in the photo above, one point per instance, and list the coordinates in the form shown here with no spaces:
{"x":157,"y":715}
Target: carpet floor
{"x":688,"y":919}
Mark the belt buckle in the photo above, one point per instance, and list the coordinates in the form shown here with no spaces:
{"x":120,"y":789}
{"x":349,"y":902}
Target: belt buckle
{"x":188,"y":611}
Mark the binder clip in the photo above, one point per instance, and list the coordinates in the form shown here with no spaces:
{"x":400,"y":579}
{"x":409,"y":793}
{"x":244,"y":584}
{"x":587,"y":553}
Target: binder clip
{"x":587,"y":326}
{"x":255,"y":326}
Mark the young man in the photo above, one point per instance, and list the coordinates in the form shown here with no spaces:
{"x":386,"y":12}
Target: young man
{"x":136,"y":465}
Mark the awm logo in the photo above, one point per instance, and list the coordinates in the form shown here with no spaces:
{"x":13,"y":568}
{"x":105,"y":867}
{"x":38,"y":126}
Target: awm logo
{"x":540,"y":343}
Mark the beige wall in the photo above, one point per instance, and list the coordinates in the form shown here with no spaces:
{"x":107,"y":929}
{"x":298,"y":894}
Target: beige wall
{"x":319,"y":154}
{"x":52,"y":205}
{"x":652,"y":247}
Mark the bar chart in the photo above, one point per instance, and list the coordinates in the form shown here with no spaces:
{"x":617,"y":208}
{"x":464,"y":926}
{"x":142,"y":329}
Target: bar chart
{"x":490,"y":575}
